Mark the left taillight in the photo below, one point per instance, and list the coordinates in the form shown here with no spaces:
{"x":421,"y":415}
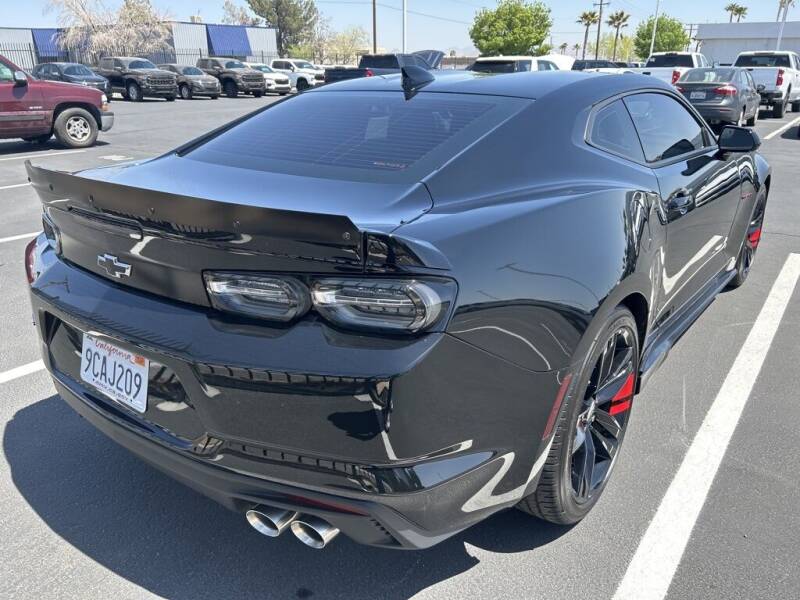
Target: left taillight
{"x":30,"y":260}
{"x":675,"y":76}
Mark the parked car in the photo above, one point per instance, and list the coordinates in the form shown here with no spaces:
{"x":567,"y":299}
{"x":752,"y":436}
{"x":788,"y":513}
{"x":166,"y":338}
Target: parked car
{"x":277,"y":83}
{"x":35,"y":109}
{"x":137,"y":78}
{"x":385,"y":64}
{"x":777,"y":75}
{"x":511,"y":64}
{"x":72,"y":73}
{"x":301,"y":73}
{"x":670,"y":66}
{"x":594,"y":65}
{"x":234,"y":76}
{"x":354,"y":329}
{"x":722,"y":95}
{"x":193,"y":82}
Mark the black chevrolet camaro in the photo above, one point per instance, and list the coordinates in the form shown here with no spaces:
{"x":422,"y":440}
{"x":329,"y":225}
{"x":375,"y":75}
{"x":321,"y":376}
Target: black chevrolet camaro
{"x":437,"y":304}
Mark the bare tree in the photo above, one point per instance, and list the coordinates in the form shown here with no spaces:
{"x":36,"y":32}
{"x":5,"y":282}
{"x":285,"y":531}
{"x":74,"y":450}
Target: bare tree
{"x":90,"y":25}
{"x":233,"y":14}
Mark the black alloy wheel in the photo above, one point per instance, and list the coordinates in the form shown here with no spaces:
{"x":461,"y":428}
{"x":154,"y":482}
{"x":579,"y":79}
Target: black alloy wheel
{"x":747,"y":252}
{"x":591,"y":426}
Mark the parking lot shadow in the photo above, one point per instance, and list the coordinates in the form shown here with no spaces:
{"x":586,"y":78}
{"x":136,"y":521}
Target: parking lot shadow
{"x":164,"y":537}
{"x":31,"y":150}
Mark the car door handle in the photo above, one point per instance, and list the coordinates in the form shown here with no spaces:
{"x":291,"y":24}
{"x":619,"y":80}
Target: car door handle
{"x":680,"y":204}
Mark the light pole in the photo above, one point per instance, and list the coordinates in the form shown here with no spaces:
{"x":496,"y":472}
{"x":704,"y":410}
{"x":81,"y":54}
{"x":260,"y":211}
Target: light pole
{"x":782,"y":25}
{"x":655,"y":28}
{"x":374,"y":27}
{"x":405,"y":15}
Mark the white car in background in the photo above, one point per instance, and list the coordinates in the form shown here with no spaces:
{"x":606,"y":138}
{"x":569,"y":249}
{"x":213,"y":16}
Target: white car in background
{"x":777,"y":77}
{"x":512,"y":64}
{"x":302,"y":73}
{"x":277,"y":83}
{"x":670,"y":66}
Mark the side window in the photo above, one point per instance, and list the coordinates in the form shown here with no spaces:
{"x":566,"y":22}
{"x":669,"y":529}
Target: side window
{"x":106,"y":63}
{"x":666,"y":128}
{"x":6,"y":74}
{"x":612,"y":130}
{"x":118,"y":63}
{"x":523,"y":65}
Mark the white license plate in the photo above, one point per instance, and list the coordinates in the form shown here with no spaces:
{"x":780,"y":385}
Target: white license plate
{"x":117,"y":373}
{"x":697,"y":96}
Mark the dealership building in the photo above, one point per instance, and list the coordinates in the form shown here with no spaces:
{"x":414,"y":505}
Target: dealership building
{"x":722,"y":42}
{"x":187,"y":43}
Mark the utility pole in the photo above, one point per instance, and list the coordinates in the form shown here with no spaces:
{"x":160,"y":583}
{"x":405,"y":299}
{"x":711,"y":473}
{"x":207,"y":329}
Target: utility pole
{"x":405,"y":16}
{"x":655,"y":28}
{"x":782,"y":25}
{"x":600,"y":4}
{"x":374,"y":27}
{"x":691,"y":32}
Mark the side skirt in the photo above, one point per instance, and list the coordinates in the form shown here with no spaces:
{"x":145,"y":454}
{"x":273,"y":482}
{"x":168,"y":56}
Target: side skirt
{"x":657,"y":349}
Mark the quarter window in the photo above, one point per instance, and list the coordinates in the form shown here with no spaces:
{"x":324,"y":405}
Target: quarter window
{"x":666,"y":128}
{"x":5,"y":73}
{"x":612,"y":130}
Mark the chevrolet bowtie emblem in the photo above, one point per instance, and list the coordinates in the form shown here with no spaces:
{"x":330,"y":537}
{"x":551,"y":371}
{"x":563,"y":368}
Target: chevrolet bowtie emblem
{"x":113,"y":266}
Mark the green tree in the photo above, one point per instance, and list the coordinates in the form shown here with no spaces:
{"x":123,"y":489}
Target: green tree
{"x":576,"y":48}
{"x":618,"y":20}
{"x":670,"y":36}
{"x":233,"y":14}
{"x":514,"y":27}
{"x":563,"y":47}
{"x":294,"y":19}
{"x":731,"y":9}
{"x":741,"y":13}
{"x":587,"y":19}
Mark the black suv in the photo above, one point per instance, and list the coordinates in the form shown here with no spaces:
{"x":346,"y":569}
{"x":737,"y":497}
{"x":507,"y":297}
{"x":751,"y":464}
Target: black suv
{"x":138,"y":78}
{"x":72,"y":73}
{"x":234,"y":76}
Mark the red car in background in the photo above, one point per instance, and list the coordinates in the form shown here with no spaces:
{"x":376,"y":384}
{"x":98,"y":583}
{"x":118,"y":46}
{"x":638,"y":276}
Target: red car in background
{"x":35,"y":110}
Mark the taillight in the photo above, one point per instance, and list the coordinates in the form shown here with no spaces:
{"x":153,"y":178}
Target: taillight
{"x":30,"y":260}
{"x":279,"y":299}
{"x":369,"y":73}
{"x":725,"y":90}
{"x":779,"y":81}
{"x":675,"y":76}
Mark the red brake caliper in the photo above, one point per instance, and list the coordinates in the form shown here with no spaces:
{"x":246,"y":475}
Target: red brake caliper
{"x":622,"y":400}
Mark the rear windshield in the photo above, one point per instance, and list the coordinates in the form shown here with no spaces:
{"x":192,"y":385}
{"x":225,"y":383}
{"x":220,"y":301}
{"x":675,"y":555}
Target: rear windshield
{"x":763,"y":60}
{"x":708,"y":76}
{"x":361,"y":136}
{"x":494,"y":66}
{"x":670,"y":60}
{"x":388,"y":61}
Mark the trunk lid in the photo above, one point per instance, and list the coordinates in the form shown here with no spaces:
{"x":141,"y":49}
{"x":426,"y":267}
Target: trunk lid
{"x":169,"y":220}
{"x":766,"y":76}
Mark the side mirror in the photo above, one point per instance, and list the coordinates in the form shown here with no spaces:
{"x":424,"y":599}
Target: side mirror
{"x":738,"y":139}
{"x":20,"y":79}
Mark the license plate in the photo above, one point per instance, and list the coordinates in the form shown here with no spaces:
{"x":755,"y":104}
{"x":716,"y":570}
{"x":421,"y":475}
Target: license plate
{"x":697,"y":96}
{"x":117,"y":373}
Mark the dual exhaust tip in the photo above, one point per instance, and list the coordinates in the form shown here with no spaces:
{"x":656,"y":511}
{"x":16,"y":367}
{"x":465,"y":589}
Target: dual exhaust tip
{"x":272,"y":521}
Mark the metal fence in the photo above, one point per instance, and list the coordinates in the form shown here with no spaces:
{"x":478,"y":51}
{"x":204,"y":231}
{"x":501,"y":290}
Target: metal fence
{"x":26,"y":56}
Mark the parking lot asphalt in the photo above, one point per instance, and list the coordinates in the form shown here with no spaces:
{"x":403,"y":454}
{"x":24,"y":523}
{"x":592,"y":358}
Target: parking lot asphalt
{"x":82,"y":518}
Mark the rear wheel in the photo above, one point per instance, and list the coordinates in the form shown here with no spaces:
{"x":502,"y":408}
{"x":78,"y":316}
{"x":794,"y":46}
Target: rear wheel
{"x":134,"y":92}
{"x":591,"y":426}
{"x":230,"y":89}
{"x":747,"y":253}
{"x":76,"y":128}
{"x":170,"y":98}
{"x":779,"y":110}
{"x":186,"y":92}
{"x":258,"y":94}
{"x":796,"y":106}
{"x":751,"y":122}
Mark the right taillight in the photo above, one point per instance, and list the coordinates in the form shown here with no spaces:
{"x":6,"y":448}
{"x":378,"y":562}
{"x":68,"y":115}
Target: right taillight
{"x":30,"y":260}
{"x":368,"y":73}
{"x":725,"y":90}
{"x":779,"y":81}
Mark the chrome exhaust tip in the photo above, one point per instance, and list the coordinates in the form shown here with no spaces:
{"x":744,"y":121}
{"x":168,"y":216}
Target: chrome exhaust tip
{"x":313,"y":531}
{"x":269,"y":520}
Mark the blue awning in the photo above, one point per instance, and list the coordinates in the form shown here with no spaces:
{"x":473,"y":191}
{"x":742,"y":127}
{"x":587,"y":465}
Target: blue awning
{"x":46,"y":41}
{"x":228,"y":40}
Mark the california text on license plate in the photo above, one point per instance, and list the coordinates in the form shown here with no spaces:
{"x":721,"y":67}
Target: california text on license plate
{"x":117,"y":373}
{"x":697,"y":96}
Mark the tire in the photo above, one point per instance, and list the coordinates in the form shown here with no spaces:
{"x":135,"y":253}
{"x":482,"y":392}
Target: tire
{"x":751,"y":122}
{"x":562,"y":496}
{"x":185,"y":91}
{"x":778,"y":110}
{"x":747,"y":253}
{"x":230,"y":89}
{"x":215,"y":97}
{"x":796,"y":106}
{"x":742,"y":118}
{"x":257,"y":94}
{"x":170,"y":98}
{"x":302,"y":85}
{"x":283,"y":93}
{"x":76,"y":128}
{"x":133,"y":91}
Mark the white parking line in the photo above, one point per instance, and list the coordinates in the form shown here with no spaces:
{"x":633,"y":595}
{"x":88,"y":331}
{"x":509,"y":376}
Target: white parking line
{"x":18,"y":372}
{"x":653,"y":566}
{"x":16,"y":185}
{"x":24,"y":236}
{"x":780,"y":130}
{"x":38,"y":154}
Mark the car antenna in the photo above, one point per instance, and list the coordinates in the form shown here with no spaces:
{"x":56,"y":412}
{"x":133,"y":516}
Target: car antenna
{"x":414,"y":79}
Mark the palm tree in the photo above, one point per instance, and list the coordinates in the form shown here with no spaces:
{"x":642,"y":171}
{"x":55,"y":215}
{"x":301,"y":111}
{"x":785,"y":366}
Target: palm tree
{"x":587,"y":19}
{"x":741,"y":13}
{"x":617,"y":20}
{"x":732,"y":8}
{"x":576,"y":48}
{"x":563,"y":47}
{"x":783,"y":4}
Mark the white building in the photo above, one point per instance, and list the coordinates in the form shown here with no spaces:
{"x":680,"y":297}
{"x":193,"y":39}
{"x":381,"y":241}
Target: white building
{"x":722,"y":42}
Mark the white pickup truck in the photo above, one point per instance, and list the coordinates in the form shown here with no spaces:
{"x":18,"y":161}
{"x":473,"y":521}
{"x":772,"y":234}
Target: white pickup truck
{"x":669,"y":66}
{"x":777,"y":77}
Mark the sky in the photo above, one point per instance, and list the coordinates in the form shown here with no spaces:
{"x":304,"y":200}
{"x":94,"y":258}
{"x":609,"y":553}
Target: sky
{"x":437,"y":24}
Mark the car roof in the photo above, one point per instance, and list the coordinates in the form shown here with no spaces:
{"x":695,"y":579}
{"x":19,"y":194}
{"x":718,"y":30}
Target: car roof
{"x":507,"y":57}
{"x":530,"y":85}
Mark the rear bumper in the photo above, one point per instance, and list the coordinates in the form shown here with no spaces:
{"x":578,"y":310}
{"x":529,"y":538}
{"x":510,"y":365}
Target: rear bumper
{"x":719,"y":114}
{"x":771,"y":97}
{"x":398,"y":444}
